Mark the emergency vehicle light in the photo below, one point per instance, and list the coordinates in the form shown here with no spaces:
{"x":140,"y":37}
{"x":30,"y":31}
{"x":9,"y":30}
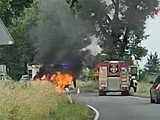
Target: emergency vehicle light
{"x":64,"y":64}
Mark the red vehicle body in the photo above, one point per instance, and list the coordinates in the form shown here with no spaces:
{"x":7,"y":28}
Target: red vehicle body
{"x":115,"y":76}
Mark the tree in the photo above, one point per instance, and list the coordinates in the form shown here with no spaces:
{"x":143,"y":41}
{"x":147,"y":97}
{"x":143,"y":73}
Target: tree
{"x":153,"y":64}
{"x":73,"y":3}
{"x":10,"y":9}
{"x":119,"y":25}
{"x":22,"y":19}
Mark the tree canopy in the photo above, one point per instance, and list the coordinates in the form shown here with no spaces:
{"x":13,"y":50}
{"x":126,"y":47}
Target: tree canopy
{"x":153,"y":64}
{"x":119,"y":24}
{"x":10,"y":9}
{"x":18,"y":16}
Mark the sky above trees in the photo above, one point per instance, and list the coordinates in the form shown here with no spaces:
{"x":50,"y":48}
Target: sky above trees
{"x":152,"y":42}
{"x":153,"y":28}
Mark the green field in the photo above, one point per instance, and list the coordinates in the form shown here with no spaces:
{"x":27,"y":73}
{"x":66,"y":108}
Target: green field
{"x":38,"y":101}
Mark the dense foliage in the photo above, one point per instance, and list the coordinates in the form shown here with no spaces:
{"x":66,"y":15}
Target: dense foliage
{"x":18,"y":16}
{"x":153,"y":64}
{"x":120,"y":25}
{"x":12,"y":9}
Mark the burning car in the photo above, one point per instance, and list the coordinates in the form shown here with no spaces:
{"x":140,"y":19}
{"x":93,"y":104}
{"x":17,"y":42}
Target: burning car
{"x":58,"y":74}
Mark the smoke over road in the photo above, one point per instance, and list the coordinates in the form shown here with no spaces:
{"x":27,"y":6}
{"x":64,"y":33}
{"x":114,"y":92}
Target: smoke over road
{"x":59,"y":37}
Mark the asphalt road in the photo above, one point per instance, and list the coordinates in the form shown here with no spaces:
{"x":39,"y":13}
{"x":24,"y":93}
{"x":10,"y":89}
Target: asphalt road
{"x":122,"y":107}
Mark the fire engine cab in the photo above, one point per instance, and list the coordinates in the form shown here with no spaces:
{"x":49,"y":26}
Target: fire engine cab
{"x":116,"y":76}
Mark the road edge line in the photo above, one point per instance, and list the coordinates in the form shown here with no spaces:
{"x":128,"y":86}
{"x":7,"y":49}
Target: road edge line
{"x":141,"y":96}
{"x":96,"y":117}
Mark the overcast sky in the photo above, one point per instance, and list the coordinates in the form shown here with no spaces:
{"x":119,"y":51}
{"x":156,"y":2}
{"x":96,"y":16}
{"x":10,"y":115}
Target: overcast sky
{"x":153,"y":41}
{"x":153,"y":29}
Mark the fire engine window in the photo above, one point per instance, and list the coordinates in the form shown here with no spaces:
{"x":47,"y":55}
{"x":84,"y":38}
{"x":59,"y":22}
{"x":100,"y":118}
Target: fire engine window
{"x":123,"y":70}
{"x":133,"y":70}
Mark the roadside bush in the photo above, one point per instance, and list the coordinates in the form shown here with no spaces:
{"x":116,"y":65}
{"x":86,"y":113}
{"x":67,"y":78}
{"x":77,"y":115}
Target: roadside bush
{"x":88,"y":86}
{"x":145,"y":84}
{"x":143,"y":89}
{"x":147,"y":77}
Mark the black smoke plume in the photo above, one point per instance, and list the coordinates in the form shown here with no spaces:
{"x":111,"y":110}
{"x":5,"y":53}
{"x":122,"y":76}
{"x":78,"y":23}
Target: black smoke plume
{"x":59,"y":36}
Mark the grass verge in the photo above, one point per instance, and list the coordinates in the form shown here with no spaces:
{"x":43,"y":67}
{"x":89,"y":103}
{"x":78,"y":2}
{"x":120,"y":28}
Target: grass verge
{"x":38,"y":101}
{"x":143,"y":89}
{"x":87,"y":86}
{"x":144,"y":85}
{"x":73,"y":112}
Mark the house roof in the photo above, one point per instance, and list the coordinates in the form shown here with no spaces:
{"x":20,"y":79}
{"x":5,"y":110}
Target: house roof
{"x":5,"y":37}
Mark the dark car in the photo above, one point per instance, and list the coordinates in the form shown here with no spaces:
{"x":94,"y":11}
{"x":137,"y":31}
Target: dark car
{"x":155,"y":91}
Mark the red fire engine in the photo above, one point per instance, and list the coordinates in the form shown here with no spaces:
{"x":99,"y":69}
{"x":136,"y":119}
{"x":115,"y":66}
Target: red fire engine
{"x":116,"y":76}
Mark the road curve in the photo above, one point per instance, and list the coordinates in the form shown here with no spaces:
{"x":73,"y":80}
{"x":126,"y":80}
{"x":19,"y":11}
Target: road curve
{"x":121,"y":107}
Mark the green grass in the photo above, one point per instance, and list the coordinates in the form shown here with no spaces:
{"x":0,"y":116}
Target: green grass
{"x":37,"y":101}
{"x":73,"y":112}
{"x":143,"y":89}
{"x":144,"y":85}
{"x":87,"y":86}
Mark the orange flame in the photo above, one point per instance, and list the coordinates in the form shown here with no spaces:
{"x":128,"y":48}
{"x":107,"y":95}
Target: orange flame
{"x":61,"y":80}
